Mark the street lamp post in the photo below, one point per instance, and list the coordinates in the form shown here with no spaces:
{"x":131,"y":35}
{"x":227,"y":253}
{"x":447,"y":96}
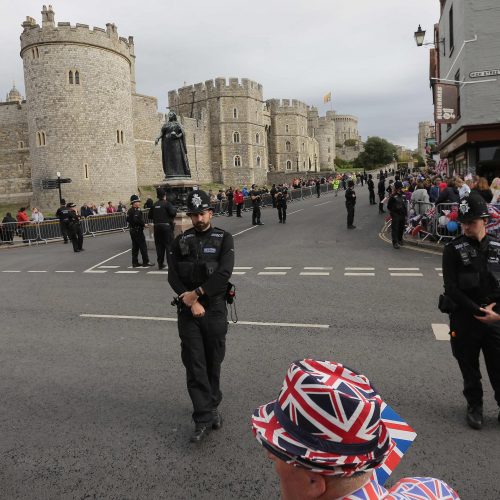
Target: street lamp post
{"x":59,"y":186}
{"x":420,"y":37}
{"x":315,"y":162}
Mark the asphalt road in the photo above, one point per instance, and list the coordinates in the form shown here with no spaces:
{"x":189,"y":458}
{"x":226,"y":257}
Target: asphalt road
{"x":94,"y":405}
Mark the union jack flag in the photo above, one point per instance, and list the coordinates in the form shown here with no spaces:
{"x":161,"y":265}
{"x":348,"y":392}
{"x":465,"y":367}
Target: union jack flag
{"x":494,"y":223}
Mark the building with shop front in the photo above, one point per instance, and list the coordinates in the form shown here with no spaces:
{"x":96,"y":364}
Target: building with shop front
{"x":467,"y":41}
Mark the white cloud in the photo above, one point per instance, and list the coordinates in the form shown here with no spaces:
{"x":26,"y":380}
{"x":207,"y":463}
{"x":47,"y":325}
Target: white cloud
{"x":362,"y":50}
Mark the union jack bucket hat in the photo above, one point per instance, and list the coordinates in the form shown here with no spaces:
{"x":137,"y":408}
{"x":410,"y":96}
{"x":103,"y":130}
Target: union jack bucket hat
{"x":326,"y":418}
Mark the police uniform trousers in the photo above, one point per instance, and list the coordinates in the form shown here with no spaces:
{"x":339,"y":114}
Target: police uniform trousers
{"x":64,"y":231}
{"x":397,"y":227}
{"x":138,"y":244}
{"x":203,"y":346}
{"x":230,"y":208}
{"x":468,"y":337}
{"x":350,"y":214}
{"x":372,"y":196}
{"x":381,"y":197}
{"x":75,"y":234}
{"x":163,"y":239}
{"x":239,"y":206}
{"x":282,"y":214}
{"x":256,"y":214}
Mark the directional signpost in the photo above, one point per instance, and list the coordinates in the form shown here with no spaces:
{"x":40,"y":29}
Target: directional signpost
{"x":55,"y":184}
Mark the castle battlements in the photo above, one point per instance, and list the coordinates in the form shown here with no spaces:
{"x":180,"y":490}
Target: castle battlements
{"x":287,"y":106}
{"x":218,"y":87}
{"x":79,"y":34}
{"x":345,"y":118}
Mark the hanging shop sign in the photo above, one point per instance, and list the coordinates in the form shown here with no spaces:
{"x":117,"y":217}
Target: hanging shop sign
{"x":445,"y":103}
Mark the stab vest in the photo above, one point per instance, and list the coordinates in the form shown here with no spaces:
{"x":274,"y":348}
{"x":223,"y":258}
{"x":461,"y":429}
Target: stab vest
{"x":199,"y":256}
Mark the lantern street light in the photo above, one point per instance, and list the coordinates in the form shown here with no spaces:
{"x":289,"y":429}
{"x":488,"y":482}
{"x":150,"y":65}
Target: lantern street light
{"x":420,"y":37}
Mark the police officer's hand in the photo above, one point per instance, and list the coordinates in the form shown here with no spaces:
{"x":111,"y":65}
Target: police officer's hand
{"x":197,"y":310}
{"x":189,"y":298}
{"x":489,"y":315}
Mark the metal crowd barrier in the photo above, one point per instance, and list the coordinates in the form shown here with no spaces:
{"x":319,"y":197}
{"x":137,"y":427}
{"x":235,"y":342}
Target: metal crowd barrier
{"x":105,"y":223}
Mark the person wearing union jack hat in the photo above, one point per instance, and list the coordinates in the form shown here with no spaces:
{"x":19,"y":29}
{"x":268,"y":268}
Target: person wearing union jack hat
{"x":200,"y":263}
{"x":471,"y":274}
{"x":331,"y":436}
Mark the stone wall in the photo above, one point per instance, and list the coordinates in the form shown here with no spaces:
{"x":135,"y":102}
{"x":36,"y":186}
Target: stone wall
{"x":15,"y":167}
{"x":147,"y":126}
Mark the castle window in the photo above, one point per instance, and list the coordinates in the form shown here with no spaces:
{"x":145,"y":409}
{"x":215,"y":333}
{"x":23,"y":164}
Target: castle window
{"x":329,"y":159}
{"x":34,"y":53}
{"x":288,"y":165}
{"x":20,"y":168}
{"x":328,"y":139}
{"x":86,"y":171}
{"x":329,"y":150}
{"x":288,"y":146}
{"x":257,"y":161}
{"x":235,"y":113}
{"x":70,"y":77}
{"x":236,"y":137}
{"x":287,"y":128}
{"x":119,"y":136}
{"x":37,"y":53}
{"x":237,"y":161}
{"x":303,"y":147}
{"x":20,"y":145}
{"x":77,"y":78}
{"x":40,"y":139}
{"x":257,"y":138}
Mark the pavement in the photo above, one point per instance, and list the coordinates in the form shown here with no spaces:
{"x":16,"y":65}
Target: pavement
{"x":94,"y":403}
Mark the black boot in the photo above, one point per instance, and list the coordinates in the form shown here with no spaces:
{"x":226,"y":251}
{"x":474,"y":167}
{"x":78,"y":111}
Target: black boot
{"x":475,"y":417}
{"x":201,"y":431}
{"x":217,"y":420}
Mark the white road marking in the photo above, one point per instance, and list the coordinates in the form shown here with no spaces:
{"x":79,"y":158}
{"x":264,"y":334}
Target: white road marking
{"x":359,"y":274}
{"x":252,"y":323}
{"x":239,"y":272}
{"x":241,"y":268}
{"x":318,"y":268}
{"x":319,"y":204}
{"x":109,"y":267}
{"x":290,"y":213}
{"x":440,"y":274}
{"x":65,"y":271}
{"x":277,"y":268}
{"x":155,"y":272}
{"x":126,"y":272}
{"x":11,"y":271}
{"x":93,"y":270}
{"x":438,"y":268}
{"x":272,"y":273}
{"x":37,"y":271}
{"x":314,"y":273}
{"x":404,"y":269}
{"x":244,"y":231}
{"x":360,"y":269}
{"x":407,"y":274}
{"x":441,"y":331}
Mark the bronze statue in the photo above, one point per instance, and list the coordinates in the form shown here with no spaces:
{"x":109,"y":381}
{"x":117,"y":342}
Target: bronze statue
{"x":173,"y":149}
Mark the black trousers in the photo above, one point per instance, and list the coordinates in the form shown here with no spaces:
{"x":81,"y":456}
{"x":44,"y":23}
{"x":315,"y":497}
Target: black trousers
{"x":238,"y":209}
{"x":381,"y":205}
{"x":350,"y":214}
{"x":397,"y":227}
{"x":256,"y":214}
{"x":203,"y":347}
{"x":163,"y":239}
{"x":139,"y":244}
{"x":318,"y":191}
{"x":76,"y":236}
{"x":230,"y":207}
{"x":372,"y":197}
{"x":468,"y":338}
{"x":282,"y":214}
{"x":64,"y":231}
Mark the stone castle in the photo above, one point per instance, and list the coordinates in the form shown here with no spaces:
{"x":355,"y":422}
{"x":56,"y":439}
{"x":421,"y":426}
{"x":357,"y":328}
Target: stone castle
{"x":82,"y":117}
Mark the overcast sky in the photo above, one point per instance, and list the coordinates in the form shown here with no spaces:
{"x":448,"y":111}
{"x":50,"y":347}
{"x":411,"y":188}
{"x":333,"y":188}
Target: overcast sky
{"x":362,"y":51}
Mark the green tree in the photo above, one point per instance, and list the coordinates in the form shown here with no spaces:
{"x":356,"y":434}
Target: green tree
{"x":419,"y":159}
{"x":378,"y":152}
{"x":350,"y":143}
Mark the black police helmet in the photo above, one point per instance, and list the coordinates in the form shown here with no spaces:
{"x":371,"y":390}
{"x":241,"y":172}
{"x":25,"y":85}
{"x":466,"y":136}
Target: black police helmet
{"x":134,"y":198}
{"x":398,"y":185}
{"x":472,"y":207}
{"x":198,"y":202}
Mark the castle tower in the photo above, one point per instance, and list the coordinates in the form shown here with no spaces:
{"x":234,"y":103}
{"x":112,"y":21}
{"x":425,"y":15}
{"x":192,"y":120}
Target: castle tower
{"x":346,"y":128}
{"x":79,"y":85}
{"x":291,"y":148}
{"x":323,"y":130}
{"x":238,"y":123}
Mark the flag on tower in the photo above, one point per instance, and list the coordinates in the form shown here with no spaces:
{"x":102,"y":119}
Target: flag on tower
{"x":327,"y":97}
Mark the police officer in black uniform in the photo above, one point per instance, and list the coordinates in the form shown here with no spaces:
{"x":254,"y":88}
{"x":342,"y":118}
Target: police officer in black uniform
{"x":200,"y":264}
{"x":162,"y":214}
{"x":136,"y":226}
{"x":398,"y":210}
{"x":256,"y":197}
{"x":381,"y":193}
{"x":371,"y":189}
{"x":350,"y":203}
{"x":73,"y":227}
{"x":471,"y":273}
{"x":62,"y":215}
{"x":281,"y":204}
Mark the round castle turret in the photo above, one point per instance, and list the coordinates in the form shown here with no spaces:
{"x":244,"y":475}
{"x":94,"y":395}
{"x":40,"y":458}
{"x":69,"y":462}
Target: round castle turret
{"x":346,"y":128}
{"x":79,"y":85}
